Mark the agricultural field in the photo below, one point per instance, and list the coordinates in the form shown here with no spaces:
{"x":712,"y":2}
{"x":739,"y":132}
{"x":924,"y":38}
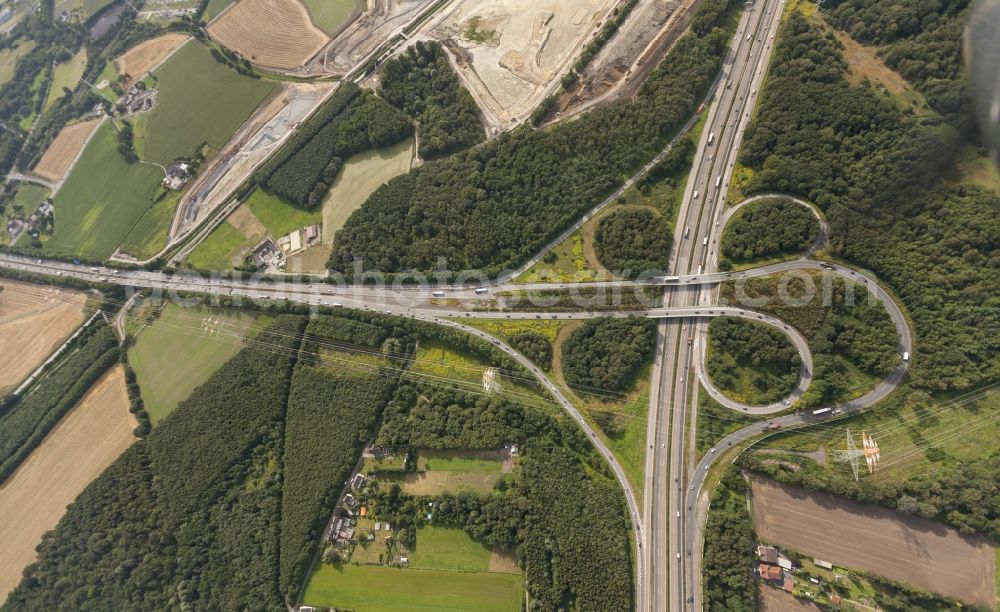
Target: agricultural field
{"x":206,"y":337}
{"x":511,"y":51}
{"x":263,"y":214}
{"x":142,"y":58}
{"x":223,"y":249}
{"x":102,"y":199}
{"x":271,"y":33}
{"x":149,"y":235}
{"x":215,"y":8}
{"x":449,"y":548}
{"x":85,"y":442}
{"x":200,"y":101}
{"x":332,"y":15}
{"x":58,"y":158}
{"x":34,"y":321}
{"x":66,"y":75}
{"x":376,"y":588}
{"x":439,"y":471}
{"x":900,"y":547}
{"x":361,"y":175}
{"x":9,"y":57}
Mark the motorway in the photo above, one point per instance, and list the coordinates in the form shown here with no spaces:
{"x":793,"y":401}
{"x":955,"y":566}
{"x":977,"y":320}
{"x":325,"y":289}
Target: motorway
{"x":694,"y":251}
{"x":667,"y":524}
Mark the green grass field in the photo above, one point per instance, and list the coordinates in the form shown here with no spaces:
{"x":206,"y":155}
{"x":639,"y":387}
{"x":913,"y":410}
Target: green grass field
{"x":328,"y":15}
{"x":445,"y":461}
{"x":102,"y":199}
{"x":374,"y":588}
{"x":226,"y":243}
{"x":66,"y":74}
{"x":200,"y":101}
{"x":218,"y":250}
{"x":214,"y":8}
{"x":278,"y":216}
{"x":362,"y":174}
{"x":182,"y":349}
{"x":149,"y":234}
{"x":507,"y":328}
{"x":448,"y":548}
{"x":9,"y":57}
{"x":439,"y":360}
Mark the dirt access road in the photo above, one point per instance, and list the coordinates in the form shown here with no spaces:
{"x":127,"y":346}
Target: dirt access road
{"x":904,"y":548}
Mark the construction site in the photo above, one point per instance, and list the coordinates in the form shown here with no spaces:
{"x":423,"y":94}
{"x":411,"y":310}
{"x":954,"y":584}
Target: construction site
{"x":510,"y":54}
{"x":379,"y":22}
{"x":621,"y":66}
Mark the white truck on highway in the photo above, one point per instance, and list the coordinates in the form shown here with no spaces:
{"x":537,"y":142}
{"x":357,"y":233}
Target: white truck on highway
{"x":820,"y":412}
{"x":711,"y":137}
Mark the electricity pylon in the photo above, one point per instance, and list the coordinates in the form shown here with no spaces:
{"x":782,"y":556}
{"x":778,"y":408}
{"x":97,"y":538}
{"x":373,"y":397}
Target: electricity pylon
{"x":869,"y":451}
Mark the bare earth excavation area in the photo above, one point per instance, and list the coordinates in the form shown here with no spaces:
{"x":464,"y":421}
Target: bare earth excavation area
{"x":904,"y":548}
{"x":82,"y":445}
{"x":373,"y":27}
{"x":34,"y":320}
{"x":271,"y":33}
{"x":509,"y":51}
{"x":58,"y":158}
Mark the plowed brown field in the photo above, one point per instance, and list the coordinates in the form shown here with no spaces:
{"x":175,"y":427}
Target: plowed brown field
{"x":271,"y":33}
{"x":60,"y":155}
{"x":904,"y":548}
{"x":82,"y":445}
{"x":143,"y":57}
{"x":34,"y":321}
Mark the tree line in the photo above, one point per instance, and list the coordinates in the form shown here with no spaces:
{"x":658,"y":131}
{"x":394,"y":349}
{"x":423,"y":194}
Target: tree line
{"x":493,"y":207}
{"x":422,"y":84}
{"x":350,"y":122}
{"x":25,"y":420}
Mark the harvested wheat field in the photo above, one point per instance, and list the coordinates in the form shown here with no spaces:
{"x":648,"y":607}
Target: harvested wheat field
{"x":143,"y":57}
{"x":271,"y":33}
{"x":34,"y":321}
{"x":61,"y":154}
{"x":83,"y":444}
{"x":905,"y":548}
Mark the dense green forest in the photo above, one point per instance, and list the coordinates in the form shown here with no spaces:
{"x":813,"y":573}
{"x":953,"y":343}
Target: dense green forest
{"x":350,"y":122}
{"x":844,"y":326}
{"x":605,"y":354}
{"x":495,"y":206}
{"x":562,"y":511}
{"x":535,"y":347}
{"x":422,"y":84}
{"x":766,"y":229}
{"x":25,"y":420}
{"x":631,"y":241}
{"x":920,"y":40}
{"x":727,"y":565}
{"x":217,"y":507}
{"x":738,"y":347}
{"x":875,"y":171}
